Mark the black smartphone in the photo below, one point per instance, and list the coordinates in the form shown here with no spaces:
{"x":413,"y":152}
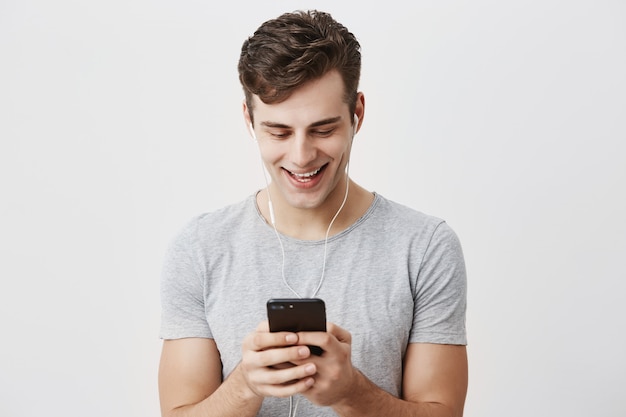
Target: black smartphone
{"x":297,"y":315}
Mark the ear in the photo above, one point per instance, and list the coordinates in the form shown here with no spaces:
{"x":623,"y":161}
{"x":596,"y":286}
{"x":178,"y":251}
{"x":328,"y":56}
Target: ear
{"x":359,"y":110}
{"x":248,"y":120}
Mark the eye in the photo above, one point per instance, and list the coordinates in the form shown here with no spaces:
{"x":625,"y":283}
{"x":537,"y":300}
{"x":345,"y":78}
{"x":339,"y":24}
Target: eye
{"x":323,"y":133}
{"x":280,"y":134}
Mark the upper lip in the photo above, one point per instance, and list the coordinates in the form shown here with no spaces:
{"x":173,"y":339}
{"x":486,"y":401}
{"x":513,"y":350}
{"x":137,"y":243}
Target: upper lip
{"x":307,"y":173}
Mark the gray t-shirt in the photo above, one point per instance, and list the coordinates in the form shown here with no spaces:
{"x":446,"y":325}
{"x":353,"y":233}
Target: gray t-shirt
{"x":396,"y":276}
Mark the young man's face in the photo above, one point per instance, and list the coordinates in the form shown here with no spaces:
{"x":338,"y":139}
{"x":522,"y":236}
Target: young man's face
{"x":305,"y":142}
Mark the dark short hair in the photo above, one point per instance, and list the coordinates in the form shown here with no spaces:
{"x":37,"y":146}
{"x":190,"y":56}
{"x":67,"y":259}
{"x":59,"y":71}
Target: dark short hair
{"x":286,"y":52}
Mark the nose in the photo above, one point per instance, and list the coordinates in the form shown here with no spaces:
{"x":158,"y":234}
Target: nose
{"x":302,"y":150}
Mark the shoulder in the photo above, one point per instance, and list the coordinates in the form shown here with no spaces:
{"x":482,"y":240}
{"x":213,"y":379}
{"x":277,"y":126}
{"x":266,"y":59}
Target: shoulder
{"x":397,"y":216}
{"x":217,"y":224}
{"x":244,"y":210}
{"x":408,"y":226}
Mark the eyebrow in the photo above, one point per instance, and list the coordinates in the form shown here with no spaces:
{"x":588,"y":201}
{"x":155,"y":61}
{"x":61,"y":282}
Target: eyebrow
{"x":322,"y":122}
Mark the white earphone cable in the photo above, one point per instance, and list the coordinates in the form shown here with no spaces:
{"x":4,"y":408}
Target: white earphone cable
{"x":330,"y":225}
{"x":294,"y":406}
{"x":280,"y":241}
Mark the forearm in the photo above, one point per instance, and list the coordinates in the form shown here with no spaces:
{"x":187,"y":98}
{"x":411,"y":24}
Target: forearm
{"x":232,"y":398}
{"x":367,"y":399}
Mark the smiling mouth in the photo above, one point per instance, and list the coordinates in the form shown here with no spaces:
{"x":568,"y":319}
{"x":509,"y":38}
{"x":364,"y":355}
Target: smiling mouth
{"x":307,"y":176}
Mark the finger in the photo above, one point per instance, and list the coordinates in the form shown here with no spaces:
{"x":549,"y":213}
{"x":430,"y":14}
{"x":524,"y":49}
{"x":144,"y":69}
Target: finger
{"x":288,"y":376}
{"x":340,"y":333}
{"x":322,"y":340}
{"x":325,"y":340}
{"x":260,"y":340}
{"x":282,"y":382}
{"x":263,"y":326}
{"x":297,"y":386}
{"x":279,"y":356}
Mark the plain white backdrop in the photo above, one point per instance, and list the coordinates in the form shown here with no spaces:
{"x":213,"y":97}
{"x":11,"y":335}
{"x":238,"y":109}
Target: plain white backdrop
{"x":119,"y":120}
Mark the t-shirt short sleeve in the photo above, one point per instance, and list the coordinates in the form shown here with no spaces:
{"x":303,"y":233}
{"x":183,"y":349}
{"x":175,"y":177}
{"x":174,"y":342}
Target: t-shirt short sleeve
{"x":182,"y":288}
{"x":441,"y":291}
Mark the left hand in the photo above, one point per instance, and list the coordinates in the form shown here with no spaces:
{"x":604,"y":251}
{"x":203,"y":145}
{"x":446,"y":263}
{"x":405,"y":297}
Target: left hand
{"x":335,"y":373}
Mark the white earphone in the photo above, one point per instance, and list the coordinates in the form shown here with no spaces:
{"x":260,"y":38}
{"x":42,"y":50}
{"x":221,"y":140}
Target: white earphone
{"x":273,"y":217}
{"x":251,"y":128}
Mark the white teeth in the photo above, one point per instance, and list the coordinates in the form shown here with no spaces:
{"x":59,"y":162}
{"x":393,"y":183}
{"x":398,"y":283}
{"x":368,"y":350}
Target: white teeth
{"x":307,"y":175}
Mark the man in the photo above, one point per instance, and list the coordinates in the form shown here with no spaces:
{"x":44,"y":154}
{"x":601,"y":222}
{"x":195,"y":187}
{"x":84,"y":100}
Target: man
{"x":393,"y":279}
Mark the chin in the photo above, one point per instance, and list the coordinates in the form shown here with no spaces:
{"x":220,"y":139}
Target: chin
{"x":305,"y":203}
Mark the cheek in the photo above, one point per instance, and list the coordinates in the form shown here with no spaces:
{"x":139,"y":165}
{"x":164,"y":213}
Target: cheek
{"x":269,"y":154}
{"x":338,"y":150}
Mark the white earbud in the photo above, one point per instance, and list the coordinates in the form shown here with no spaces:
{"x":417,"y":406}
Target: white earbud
{"x":252,"y":131}
{"x":356,"y":124}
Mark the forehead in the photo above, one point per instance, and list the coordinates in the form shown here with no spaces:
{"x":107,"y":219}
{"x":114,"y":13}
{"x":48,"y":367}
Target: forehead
{"x":316,"y":100}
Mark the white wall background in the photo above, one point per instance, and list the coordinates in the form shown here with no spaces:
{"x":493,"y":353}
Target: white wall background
{"x":119,"y":120}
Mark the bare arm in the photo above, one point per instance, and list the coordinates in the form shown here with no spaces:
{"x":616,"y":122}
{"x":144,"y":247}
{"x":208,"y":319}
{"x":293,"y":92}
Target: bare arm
{"x":434,"y":380}
{"x":190,"y":382}
{"x":434,"y":385}
{"x":190,"y":375}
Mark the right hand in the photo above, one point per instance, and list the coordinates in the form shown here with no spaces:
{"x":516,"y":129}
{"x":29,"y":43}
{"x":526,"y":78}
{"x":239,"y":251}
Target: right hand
{"x":267,"y":363}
